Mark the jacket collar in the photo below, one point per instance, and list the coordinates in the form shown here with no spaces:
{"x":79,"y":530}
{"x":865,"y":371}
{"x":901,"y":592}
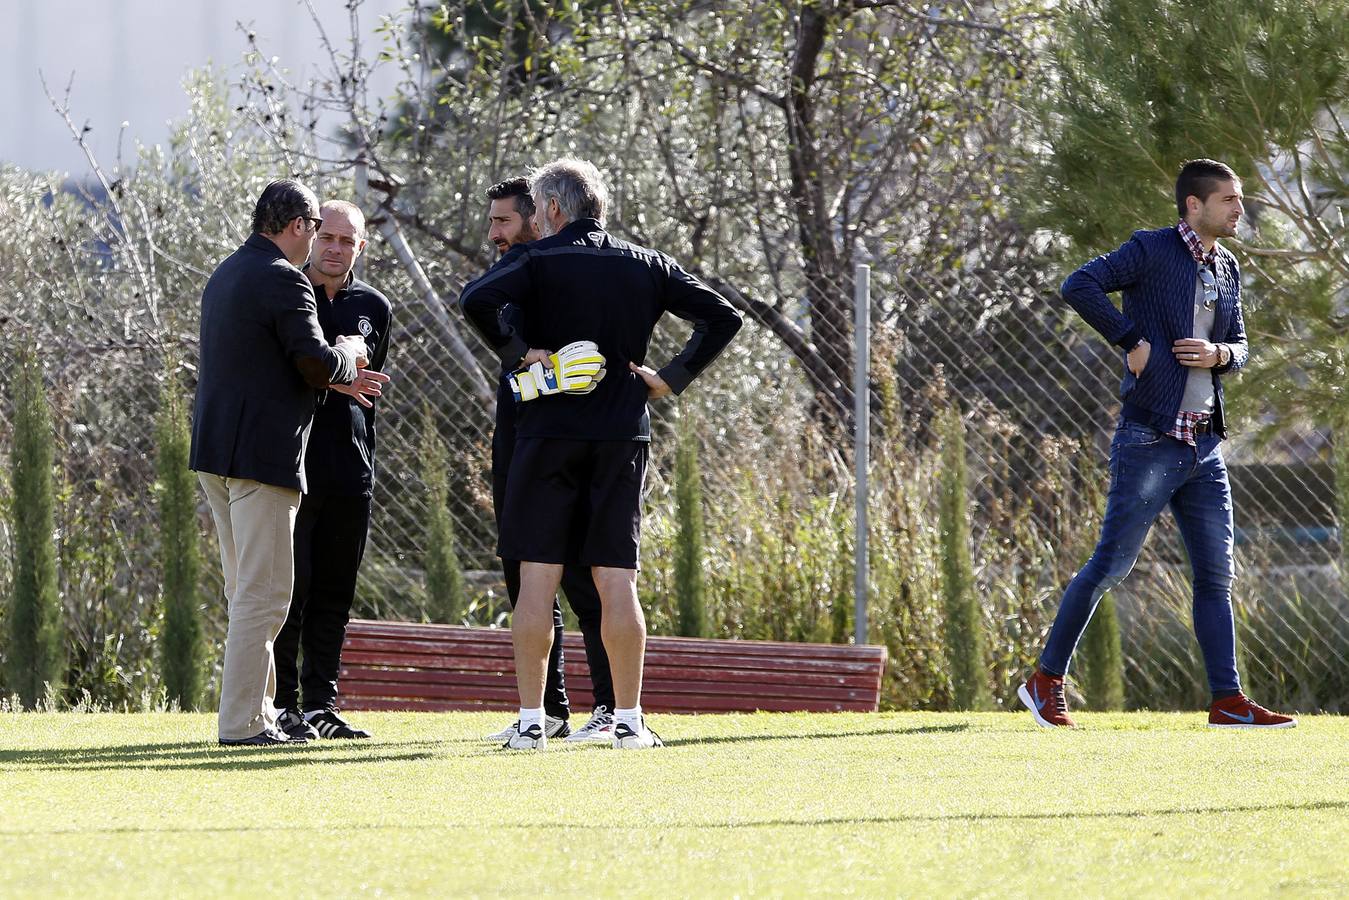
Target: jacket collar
{"x":582,"y":226}
{"x":346,"y":285}
{"x":265,"y":244}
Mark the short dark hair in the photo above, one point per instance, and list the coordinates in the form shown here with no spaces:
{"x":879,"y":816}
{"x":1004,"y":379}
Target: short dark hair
{"x":1200,"y":178}
{"x":517,"y":188}
{"x":281,"y":202}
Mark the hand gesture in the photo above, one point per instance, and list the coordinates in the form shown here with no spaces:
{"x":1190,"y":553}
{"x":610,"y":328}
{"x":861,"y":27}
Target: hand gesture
{"x":1138,"y":357}
{"x":367,"y":384}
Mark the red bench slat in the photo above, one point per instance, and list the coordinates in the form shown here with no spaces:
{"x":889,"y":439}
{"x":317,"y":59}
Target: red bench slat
{"x":412,"y":666}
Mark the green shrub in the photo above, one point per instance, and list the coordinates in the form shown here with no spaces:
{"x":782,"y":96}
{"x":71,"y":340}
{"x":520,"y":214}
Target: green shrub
{"x":689,"y":584}
{"x":1100,"y":659}
{"x":35,"y":653}
{"x":447,"y":594}
{"x":964,"y":622}
{"x":180,"y":642}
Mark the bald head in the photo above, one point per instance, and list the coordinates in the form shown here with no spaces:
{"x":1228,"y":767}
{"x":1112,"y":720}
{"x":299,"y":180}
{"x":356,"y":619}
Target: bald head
{"x":341,"y":239}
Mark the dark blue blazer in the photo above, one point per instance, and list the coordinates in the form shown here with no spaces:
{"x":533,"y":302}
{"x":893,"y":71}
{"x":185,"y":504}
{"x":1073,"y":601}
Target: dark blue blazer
{"x":263,"y":357}
{"x":1155,"y":274}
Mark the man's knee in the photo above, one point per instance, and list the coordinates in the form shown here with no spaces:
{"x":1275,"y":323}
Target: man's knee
{"x":1109,"y":567}
{"x":613,"y":583}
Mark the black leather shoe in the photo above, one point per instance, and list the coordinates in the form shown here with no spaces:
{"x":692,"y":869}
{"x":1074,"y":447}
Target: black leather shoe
{"x":293,"y":724}
{"x":270,"y":737}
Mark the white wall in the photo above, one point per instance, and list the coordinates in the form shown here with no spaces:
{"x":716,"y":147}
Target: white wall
{"x":129,"y":58}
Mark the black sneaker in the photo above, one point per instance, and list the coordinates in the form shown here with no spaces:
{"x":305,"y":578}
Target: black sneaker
{"x":292,"y":723}
{"x":329,"y":724}
{"x":270,"y":737}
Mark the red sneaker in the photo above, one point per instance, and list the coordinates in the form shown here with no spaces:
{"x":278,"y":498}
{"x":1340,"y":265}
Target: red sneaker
{"x":1242,"y":712}
{"x":1043,"y":696}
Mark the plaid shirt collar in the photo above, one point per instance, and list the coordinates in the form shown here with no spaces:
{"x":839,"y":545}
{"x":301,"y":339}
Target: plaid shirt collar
{"x":1196,"y":245}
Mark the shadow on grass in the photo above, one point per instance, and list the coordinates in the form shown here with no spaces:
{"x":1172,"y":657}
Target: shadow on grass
{"x":422,"y":826}
{"x":1309,"y":806}
{"x":209,"y":756}
{"x":797,"y":738}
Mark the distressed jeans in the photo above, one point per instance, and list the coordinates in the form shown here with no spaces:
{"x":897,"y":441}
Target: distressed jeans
{"x":1148,"y":470}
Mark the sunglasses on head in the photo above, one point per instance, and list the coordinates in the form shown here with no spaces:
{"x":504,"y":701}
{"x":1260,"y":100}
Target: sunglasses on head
{"x":1210,"y":287}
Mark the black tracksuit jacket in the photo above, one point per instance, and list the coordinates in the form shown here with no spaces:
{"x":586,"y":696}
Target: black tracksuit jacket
{"x":584,"y":284}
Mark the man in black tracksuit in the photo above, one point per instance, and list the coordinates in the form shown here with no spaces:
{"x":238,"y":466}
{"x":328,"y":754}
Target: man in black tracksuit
{"x":334,"y":514}
{"x":573,"y":494}
{"x":511,"y":222}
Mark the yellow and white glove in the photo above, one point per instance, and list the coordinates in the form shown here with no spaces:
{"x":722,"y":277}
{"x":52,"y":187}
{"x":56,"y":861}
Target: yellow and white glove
{"x":580,"y":366}
{"x":532,"y":381}
{"x":575,"y":369}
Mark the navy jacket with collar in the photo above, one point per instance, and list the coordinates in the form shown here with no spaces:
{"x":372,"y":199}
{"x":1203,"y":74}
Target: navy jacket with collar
{"x":1155,"y":273}
{"x":263,"y":359}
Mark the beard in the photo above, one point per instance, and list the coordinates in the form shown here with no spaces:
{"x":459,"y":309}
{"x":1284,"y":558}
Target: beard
{"x":546,"y":228}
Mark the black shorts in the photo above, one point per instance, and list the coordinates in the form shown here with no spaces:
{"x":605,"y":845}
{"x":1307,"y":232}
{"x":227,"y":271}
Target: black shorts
{"x":574,"y":502}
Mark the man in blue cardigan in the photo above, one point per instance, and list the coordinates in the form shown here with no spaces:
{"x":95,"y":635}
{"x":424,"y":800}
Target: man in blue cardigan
{"x":1180,"y":330}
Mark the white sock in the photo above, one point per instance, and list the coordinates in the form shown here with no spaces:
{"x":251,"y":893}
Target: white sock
{"x":530,"y":717}
{"x":629,"y":717}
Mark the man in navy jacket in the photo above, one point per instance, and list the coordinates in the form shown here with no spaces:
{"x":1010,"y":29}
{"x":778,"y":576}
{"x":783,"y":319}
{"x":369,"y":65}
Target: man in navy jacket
{"x":1180,"y":330}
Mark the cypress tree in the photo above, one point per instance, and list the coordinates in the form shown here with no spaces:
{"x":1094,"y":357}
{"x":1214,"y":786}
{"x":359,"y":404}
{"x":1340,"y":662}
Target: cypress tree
{"x":690,"y":587}
{"x":446,"y":592}
{"x":1102,"y":660}
{"x":964,"y":628}
{"x":180,"y":644}
{"x":34,"y":658}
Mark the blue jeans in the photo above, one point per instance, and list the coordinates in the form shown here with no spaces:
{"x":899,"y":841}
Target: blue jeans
{"x":1149,"y":469}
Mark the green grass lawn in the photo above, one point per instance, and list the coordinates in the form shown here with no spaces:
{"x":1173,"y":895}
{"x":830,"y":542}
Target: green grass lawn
{"x":750,"y":805}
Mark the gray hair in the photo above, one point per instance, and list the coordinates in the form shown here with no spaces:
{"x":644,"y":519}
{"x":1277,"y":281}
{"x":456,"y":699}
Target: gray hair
{"x":576,"y":186}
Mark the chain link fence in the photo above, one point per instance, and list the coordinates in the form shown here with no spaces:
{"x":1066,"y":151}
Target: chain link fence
{"x":1035,"y":393}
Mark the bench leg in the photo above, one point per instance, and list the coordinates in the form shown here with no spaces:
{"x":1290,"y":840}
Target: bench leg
{"x":532,"y":629}
{"x":624,"y":629}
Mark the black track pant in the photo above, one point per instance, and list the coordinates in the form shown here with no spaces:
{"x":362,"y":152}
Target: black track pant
{"x":330,"y":533}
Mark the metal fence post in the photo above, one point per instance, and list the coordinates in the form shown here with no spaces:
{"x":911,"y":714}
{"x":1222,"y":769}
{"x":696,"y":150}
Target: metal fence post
{"x":862,"y":438}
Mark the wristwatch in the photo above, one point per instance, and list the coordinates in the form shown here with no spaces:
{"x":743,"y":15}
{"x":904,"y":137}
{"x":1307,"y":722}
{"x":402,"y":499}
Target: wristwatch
{"x":1224,"y":354}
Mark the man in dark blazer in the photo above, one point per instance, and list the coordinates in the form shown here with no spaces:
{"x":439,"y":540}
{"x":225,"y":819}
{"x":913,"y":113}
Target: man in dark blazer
{"x":263,"y":358}
{"x":1179,"y":331}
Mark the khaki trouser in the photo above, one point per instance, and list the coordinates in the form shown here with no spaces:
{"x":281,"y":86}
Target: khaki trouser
{"x":255,"y":523}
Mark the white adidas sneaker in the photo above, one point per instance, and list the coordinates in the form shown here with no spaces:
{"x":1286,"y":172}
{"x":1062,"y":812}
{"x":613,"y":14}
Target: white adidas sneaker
{"x":599,"y":730}
{"x":552,"y":727}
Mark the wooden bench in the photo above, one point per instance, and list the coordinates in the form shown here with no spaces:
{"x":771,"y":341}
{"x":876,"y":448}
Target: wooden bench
{"x":409,"y":666}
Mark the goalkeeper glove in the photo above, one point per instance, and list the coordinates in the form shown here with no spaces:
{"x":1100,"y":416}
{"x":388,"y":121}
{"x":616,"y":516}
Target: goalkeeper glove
{"x":575,"y":369}
{"x":579,"y":366}
{"x":530,"y":382}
